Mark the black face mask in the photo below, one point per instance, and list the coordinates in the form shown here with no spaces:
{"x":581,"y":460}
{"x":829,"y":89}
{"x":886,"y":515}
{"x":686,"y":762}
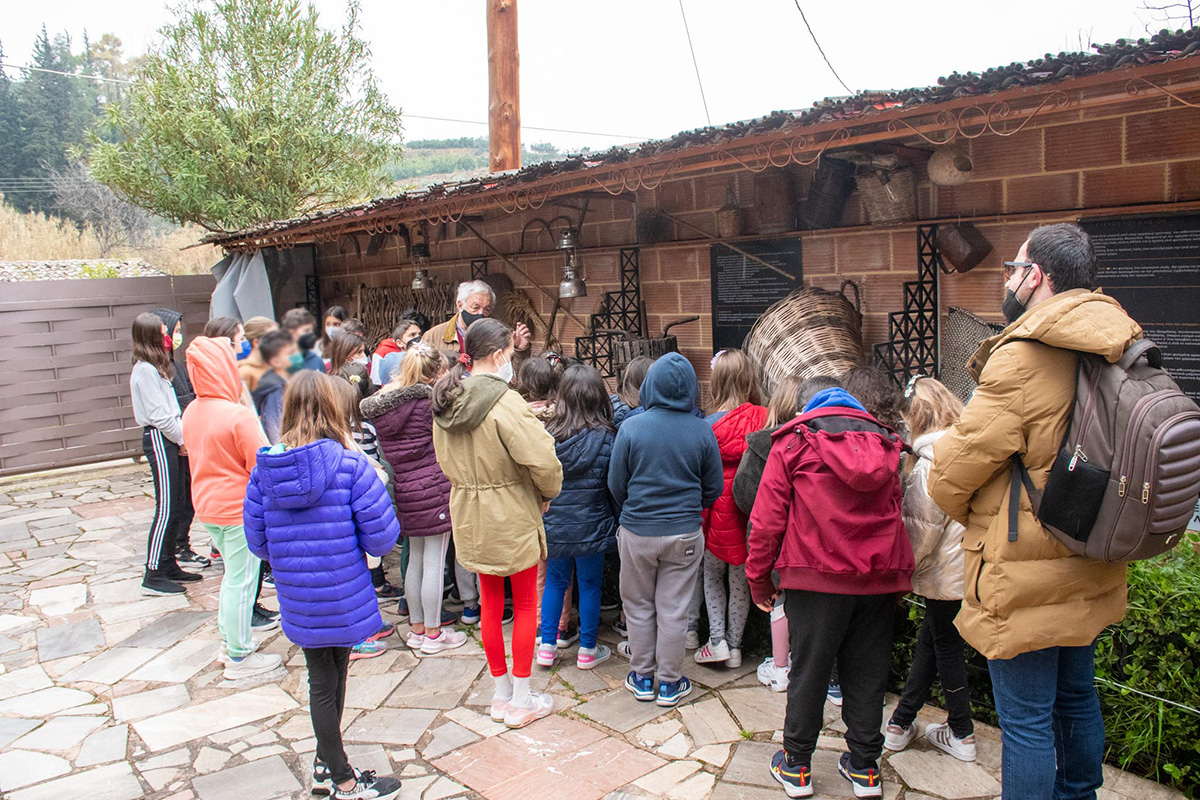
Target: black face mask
{"x":467,"y":318}
{"x":1013,"y":308}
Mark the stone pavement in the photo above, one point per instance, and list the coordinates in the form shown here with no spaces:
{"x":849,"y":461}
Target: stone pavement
{"x":108,"y":694}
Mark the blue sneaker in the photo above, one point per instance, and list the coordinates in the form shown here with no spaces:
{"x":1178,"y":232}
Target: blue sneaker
{"x":796,"y":780}
{"x":865,"y":782}
{"x":448,"y":618}
{"x":669,"y":694}
{"x":642,"y":687}
{"x":834,"y":693}
{"x":470,"y":615}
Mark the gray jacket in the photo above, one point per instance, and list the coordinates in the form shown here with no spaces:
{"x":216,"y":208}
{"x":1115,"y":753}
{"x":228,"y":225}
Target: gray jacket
{"x":154,"y":401}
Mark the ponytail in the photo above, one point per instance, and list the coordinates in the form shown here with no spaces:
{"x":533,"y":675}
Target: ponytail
{"x":484,"y":337}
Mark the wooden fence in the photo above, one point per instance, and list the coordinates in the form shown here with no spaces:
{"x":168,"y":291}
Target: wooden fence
{"x":64,"y":365}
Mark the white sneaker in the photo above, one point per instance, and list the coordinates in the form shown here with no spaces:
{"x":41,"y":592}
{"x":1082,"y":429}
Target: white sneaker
{"x":735,"y":658}
{"x":941,"y":737}
{"x":537,"y":706}
{"x":414,"y":640}
{"x":711,"y":654}
{"x":446,"y":640}
{"x":691,"y":641}
{"x":546,"y":654}
{"x":776,"y":678}
{"x":223,"y":652}
{"x":623,"y":649}
{"x":251,"y":665}
{"x":499,"y":708}
{"x":896,"y":738}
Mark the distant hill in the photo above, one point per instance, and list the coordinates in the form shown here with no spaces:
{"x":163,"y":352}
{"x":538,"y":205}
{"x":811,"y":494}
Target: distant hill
{"x":430,"y":161}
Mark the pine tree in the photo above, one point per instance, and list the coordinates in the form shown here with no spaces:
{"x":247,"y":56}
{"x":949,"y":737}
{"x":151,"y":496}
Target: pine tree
{"x":10,"y":129}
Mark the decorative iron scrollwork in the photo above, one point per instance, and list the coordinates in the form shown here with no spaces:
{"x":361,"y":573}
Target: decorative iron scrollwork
{"x":974,"y":121}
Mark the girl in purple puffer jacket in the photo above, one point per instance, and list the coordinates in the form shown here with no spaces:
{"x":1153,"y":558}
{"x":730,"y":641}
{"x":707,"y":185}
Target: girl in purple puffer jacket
{"x":316,"y":508}
{"x":403,"y":423}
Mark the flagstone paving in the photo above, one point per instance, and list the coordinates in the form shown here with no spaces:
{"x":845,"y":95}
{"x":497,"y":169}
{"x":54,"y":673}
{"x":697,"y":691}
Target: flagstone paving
{"x":108,"y":694}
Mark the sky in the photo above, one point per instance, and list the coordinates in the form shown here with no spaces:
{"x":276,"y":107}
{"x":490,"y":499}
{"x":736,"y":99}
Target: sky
{"x":620,"y":70}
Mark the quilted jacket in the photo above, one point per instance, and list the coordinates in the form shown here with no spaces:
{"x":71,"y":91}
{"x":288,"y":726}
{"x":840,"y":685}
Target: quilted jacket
{"x":315,"y":512}
{"x":724,"y":522}
{"x":581,"y":520}
{"x":403,"y":423}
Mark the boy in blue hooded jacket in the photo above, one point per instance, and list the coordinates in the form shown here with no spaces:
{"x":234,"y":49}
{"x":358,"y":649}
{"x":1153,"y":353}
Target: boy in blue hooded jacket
{"x":665,"y":470}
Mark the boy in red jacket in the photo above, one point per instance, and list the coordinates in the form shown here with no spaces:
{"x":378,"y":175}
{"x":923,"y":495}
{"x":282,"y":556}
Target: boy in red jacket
{"x":827,"y":519}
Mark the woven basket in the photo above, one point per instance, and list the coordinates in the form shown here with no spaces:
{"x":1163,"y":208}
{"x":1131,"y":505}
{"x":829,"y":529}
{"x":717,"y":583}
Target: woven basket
{"x":810,"y":332}
{"x":961,"y":334}
{"x":888,"y":195}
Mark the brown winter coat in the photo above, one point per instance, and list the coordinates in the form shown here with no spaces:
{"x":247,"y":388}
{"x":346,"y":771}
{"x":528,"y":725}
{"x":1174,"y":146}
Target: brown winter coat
{"x":444,"y":336}
{"x":1032,"y":593}
{"x":501,"y":464}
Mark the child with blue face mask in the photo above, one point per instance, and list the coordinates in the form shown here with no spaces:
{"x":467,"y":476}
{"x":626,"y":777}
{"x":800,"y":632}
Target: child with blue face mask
{"x":283,"y":358}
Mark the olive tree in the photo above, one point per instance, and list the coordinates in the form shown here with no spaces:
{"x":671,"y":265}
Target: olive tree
{"x":249,"y":111}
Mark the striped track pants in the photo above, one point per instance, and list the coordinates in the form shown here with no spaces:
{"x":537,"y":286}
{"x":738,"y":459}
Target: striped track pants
{"x":163,"y":456}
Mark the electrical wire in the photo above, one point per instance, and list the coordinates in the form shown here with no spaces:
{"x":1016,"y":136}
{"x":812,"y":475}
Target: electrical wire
{"x":410,"y":116}
{"x":696,"y":65}
{"x":819,"y":48}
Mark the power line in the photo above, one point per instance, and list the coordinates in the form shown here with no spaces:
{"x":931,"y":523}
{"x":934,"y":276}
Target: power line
{"x":703,"y":99}
{"x":410,"y":116}
{"x":819,"y":48}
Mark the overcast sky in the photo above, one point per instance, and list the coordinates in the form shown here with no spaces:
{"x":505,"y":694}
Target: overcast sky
{"x":623,"y":67}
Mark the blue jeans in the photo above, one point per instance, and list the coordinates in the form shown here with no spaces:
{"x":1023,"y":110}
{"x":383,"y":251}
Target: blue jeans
{"x":1052,"y":730}
{"x":590,"y":572}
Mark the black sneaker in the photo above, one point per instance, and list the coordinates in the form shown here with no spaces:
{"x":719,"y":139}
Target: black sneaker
{"x":507,"y":616}
{"x":269,"y":578}
{"x":368,"y":787}
{"x":865,"y":782}
{"x":263,"y":620}
{"x":173,"y":572}
{"x":388,"y":592}
{"x":190,"y":556}
{"x":618,"y":625}
{"x":567,"y":636}
{"x":795,"y":778}
{"x":322,"y":778}
{"x":155,"y":583}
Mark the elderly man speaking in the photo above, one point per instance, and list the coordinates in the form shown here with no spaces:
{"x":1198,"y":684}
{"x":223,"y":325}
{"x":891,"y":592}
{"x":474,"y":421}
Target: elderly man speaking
{"x":475,"y":301}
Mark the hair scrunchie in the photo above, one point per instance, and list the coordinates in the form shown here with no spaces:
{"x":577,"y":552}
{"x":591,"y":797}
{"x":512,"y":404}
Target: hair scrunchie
{"x":464,"y":359}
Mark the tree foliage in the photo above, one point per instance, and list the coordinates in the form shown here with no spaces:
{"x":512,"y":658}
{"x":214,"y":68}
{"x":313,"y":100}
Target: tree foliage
{"x":249,"y":111}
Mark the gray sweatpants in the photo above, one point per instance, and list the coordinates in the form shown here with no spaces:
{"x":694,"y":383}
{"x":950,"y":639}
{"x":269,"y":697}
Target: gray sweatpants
{"x":423,"y":579}
{"x":658,"y":577}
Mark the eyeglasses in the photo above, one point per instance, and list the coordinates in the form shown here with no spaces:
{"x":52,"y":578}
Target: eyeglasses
{"x":1012,"y":266}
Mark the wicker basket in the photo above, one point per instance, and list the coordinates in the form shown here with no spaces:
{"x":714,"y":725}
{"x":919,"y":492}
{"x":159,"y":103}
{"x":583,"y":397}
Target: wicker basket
{"x":888,"y":195}
{"x":961,"y":334}
{"x":810,"y":332}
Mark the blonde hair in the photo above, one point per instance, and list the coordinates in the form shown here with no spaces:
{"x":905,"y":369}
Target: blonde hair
{"x":734,"y":380}
{"x":785,"y":400}
{"x":422,"y":364}
{"x":931,"y":407}
{"x":314,"y":408}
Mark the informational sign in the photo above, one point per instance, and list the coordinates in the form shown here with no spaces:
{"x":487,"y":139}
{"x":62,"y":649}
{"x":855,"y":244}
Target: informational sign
{"x":1151,"y":266}
{"x":742,"y":288}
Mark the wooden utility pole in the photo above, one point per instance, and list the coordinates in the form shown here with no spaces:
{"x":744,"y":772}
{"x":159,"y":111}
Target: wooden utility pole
{"x":504,"y":86}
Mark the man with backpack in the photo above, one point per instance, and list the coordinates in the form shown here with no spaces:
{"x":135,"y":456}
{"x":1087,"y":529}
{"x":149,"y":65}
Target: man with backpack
{"x":1031,"y":605}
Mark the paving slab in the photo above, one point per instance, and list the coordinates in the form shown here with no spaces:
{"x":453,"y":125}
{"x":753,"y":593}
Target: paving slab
{"x":930,"y":771}
{"x":155,"y":701}
{"x":752,"y":764}
{"x":13,"y":729}
{"x":263,"y":779}
{"x":23,"y":767}
{"x":46,"y":702}
{"x":369,"y":691}
{"x":111,"y":665}
{"x":436,"y":683}
{"x":204,"y":719}
{"x":72,"y":639}
{"x":24,"y":681}
{"x":709,"y":722}
{"x":58,"y":601}
{"x":391,"y":726}
{"x":617,"y":709}
{"x":60,"y":734}
{"x":446,"y":737}
{"x":110,"y":744}
{"x":757,"y":709}
{"x":180,"y":662}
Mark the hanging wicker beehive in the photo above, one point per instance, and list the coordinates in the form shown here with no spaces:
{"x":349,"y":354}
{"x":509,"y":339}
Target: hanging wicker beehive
{"x":810,"y":332}
{"x":961,"y":334}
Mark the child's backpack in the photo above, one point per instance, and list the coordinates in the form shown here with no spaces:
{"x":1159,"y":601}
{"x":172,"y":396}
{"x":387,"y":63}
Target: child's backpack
{"x":1127,"y":477}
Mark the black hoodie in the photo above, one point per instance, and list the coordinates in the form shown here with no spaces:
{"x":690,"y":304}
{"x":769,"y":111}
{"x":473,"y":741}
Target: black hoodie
{"x":180,"y":383}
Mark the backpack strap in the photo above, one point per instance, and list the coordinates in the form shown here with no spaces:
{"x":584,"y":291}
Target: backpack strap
{"x":1020,"y":476}
{"x":1142,"y":347}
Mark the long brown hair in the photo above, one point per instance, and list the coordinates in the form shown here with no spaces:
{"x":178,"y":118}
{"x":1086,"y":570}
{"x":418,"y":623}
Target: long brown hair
{"x":538,"y":379}
{"x":582,"y":403}
{"x":878,"y":393}
{"x":631,"y":380}
{"x":734,"y":380}
{"x":314,"y":408}
{"x":147,"y":338}
{"x":931,"y":407}
{"x":785,"y":400}
{"x":484,"y":337}
{"x":341,"y":348}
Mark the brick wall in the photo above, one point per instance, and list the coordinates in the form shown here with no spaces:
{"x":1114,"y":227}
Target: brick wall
{"x":1142,"y":152}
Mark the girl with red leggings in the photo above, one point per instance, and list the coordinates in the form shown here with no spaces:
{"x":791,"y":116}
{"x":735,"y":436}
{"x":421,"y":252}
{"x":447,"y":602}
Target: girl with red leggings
{"x":503,"y":474}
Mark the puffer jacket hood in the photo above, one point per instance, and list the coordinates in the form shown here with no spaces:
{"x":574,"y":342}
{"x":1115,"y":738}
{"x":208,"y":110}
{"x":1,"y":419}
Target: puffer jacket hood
{"x":936,"y":539}
{"x":724,"y":522}
{"x":298,"y":477}
{"x":670,"y":384}
{"x":1079,"y":320}
{"x":213,"y":369}
{"x":468,"y":411}
{"x":582,"y":519}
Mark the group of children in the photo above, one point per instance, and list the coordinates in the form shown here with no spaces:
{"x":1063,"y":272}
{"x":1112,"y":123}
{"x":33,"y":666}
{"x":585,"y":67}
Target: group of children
{"x":308,"y":454}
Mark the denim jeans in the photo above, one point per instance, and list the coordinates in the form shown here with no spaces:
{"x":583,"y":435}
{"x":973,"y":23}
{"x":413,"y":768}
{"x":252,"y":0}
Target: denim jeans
{"x":590,"y":571}
{"x":1052,"y":730}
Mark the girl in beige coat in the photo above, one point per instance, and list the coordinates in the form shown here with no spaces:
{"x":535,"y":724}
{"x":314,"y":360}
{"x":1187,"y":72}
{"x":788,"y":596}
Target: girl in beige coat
{"x":938,"y":578}
{"x":503,"y":474}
